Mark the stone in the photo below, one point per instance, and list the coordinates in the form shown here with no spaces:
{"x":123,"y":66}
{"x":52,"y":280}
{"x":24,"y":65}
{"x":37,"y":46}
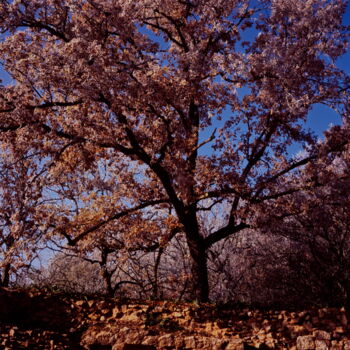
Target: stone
{"x":80,"y":302}
{"x":179,"y":342}
{"x":135,"y":336}
{"x":215,"y":344}
{"x":297,"y":330}
{"x":116,"y":313}
{"x":305,"y":342}
{"x":235,"y":344}
{"x":166,"y":340}
{"x":339,"y":330}
{"x":118,"y":346}
{"x":93,"y":317}
{"x":336,"y":346}
{"x":104,"y":338}
{"x":131,"y":318}
{"x":321,"y":335}
{"x":190,"y":342}
{"x":321,"y":344}
{"x":106,"y":312}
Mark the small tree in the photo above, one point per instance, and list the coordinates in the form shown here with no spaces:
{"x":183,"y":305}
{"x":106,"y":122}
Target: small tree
{"x":70,"y":274}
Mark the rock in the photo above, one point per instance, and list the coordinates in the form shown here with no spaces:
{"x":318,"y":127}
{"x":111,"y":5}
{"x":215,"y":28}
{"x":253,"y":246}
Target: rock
{"x":166,"y":340}
{"x":116,"y":313}
{"x":118,"y":346}
{"x":321,"y":344}
{"x":104,"y":338}
{"x":135,"y":336}
{"x":131,"y":318}
{"x":179,"y":342}
{"x":321,"y":335}
{"x":339,"y":330}
{"x":305,"y":342}
{"x":235,"y":344}
{"x":190,"y":342}
{"x":297,"y":330}
{"x":106,"y":311}
{"x":80,"y":303}
{"x":215,"y":344}
{"x":151,"y":340}
{"x":336,"y":346}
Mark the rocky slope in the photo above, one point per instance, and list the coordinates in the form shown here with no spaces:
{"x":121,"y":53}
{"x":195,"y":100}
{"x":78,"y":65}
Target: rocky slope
{"x":38,"y":320}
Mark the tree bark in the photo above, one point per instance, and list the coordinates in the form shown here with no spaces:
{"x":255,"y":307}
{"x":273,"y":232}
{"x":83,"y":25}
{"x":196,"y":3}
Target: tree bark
{"x":155,"y":288}
{"x":5,"y":276}
{"x":199,"y":269}
{"x":346,"y":285}
{"x":108,"y":281}
{"x":198,"y":258}
{"x":106,"y":275}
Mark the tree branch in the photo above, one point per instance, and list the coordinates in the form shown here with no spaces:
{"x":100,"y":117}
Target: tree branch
{"x":224,"y":232}
{"x":115,"y":217}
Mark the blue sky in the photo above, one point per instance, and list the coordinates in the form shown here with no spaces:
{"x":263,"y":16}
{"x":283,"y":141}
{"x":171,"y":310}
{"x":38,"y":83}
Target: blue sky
{"x":321,"y":116}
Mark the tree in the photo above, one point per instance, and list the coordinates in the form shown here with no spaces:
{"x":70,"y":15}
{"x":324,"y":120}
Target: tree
{"x":148,"y":81}
{"x":20,"y":200}
{"x":317,"y":222}
{"x":69,"y":274}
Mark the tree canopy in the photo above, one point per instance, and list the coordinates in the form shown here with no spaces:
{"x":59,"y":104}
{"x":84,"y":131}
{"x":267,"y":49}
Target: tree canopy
{"x":145,"y":115}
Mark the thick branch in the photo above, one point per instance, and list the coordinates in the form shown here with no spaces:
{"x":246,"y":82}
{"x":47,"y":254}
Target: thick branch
{"x":224,"y":232}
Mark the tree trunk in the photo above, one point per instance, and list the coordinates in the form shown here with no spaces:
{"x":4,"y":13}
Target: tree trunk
{"x":346,"y":285}
{"x":199,"y":269}
{"x":108,"y":281}
{"x":155,"y":287}
{"x":5,"y":276}
{"x":198,"y":257}
{"x":106,"y":275}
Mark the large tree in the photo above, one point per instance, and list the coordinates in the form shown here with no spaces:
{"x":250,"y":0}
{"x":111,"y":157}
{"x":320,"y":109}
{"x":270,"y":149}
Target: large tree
{"x":150,"y":80}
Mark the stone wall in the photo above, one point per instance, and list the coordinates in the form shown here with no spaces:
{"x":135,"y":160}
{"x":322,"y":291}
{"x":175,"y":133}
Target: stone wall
{"x":35,"y":320}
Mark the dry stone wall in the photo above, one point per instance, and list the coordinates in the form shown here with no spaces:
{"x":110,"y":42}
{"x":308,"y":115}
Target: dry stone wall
{"x":35,"y":320}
